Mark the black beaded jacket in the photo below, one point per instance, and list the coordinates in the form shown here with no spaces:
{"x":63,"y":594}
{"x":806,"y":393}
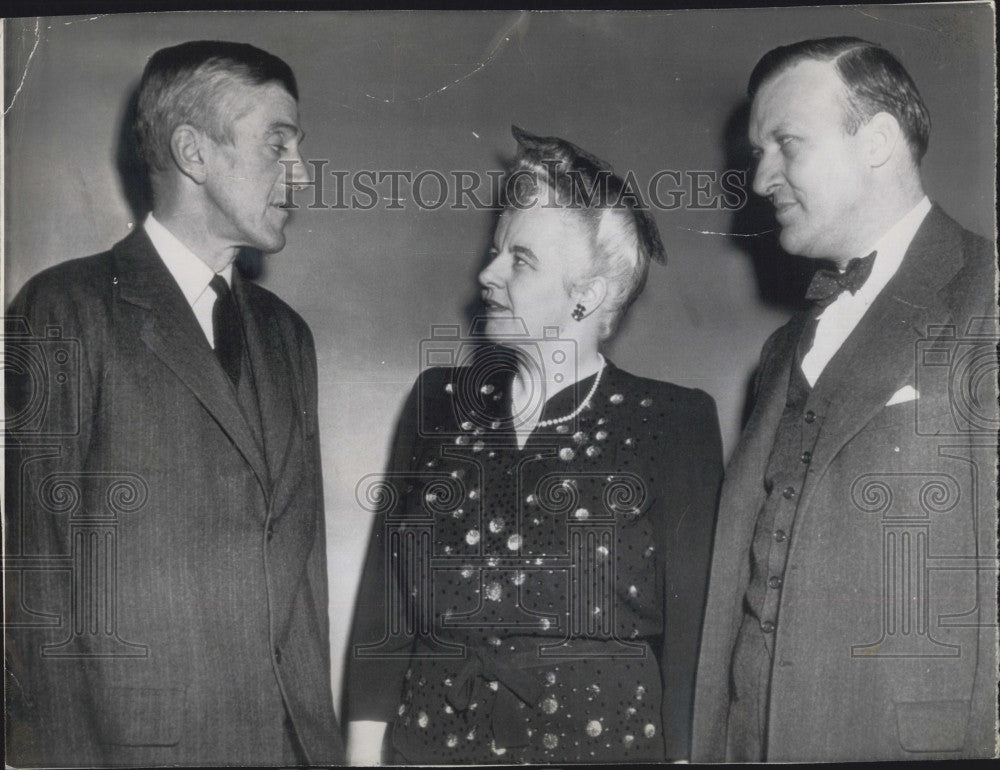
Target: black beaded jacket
{"x":596,"y":532}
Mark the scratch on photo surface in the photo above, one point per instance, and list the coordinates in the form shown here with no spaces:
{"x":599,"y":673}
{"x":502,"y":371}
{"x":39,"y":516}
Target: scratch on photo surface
{"x":77,"y":21}
{"x":27,"y":65}
{"x":353,"y":109}
{"x":680,"y":520}
{"x":729,"y":235}
{"x":891,"y":21}
{"x":504,"y":39}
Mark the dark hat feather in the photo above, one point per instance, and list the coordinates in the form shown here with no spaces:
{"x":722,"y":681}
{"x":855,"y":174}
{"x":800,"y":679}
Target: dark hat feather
{"x":567,"y":157}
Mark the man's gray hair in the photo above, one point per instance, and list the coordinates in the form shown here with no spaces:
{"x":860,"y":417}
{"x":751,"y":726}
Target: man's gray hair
{"x":192,"y":83}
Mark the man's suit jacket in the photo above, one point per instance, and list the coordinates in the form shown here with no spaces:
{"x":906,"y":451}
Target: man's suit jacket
{"x":885,"y":641}
{"x":166,"y":561}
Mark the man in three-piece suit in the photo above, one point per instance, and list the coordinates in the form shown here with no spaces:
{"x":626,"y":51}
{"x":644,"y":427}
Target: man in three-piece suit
{"x":166,"y":562}
{"x":851,"y":611}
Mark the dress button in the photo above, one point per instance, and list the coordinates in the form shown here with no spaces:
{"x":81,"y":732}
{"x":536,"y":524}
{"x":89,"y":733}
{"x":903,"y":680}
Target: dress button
{"x":779,"y":536}
{"x":270,"y":531}
{"x":277,"y":655}
{"x":806,"y":457}
{"x":774,"y":581}
{"x":788,"y":493}
{"x":767,"y":627}
{"x":810,"y":416}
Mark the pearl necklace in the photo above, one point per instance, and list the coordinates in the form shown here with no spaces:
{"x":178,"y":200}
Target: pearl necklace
{"x":583,"y":404}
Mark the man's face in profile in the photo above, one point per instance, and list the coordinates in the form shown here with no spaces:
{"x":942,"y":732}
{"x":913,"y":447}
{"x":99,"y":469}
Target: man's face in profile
{"x":809,"y":166}
{"x":246,"y":180}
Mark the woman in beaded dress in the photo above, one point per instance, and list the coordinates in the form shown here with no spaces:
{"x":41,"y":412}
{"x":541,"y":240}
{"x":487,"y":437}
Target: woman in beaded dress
{"x":535,"y":581}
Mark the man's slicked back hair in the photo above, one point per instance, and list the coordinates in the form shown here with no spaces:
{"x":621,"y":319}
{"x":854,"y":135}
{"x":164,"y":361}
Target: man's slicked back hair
{"x":874,"y":79}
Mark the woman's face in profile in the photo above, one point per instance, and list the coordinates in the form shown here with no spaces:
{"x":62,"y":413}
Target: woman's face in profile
{"x":536,"y":256}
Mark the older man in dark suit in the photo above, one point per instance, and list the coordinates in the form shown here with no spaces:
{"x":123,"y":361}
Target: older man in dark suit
{"x":165,"y":530}
{"x":851,"y":611}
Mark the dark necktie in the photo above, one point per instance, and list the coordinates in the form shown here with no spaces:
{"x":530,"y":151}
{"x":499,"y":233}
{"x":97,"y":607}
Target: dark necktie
{"x":226,"y":328}
{"x":828,"y":283}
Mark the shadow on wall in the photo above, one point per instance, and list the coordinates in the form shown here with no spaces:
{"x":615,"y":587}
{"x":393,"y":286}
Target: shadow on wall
{"x":782,"y":278}
{"x":136,"y":188}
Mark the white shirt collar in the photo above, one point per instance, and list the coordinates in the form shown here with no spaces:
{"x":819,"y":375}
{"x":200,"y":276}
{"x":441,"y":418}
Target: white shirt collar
{"x":891,"y":248}
{"x":841,"y":316}
{"x":191,"y":273}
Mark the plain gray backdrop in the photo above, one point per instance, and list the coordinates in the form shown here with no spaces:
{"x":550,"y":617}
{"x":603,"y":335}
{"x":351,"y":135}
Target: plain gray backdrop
{"x":647,"y":91}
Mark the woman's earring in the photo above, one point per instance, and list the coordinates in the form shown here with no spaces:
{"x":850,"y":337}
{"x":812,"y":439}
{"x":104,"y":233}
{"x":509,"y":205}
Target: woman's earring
{"x":578,"y":312}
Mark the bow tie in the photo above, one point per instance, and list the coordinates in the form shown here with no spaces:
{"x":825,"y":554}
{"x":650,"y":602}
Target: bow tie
{"x":828,"y":283}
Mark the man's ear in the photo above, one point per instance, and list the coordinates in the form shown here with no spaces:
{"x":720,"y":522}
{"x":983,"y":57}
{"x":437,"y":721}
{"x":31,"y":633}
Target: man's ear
{"x":883,"y":135}
{"x":591,"y":294}
{"x":187,"y":147}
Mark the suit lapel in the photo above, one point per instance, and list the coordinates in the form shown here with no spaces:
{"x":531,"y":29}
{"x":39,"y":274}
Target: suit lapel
{"x":275,"y":378}
{"x":742,"y":497}
{"x":879,"y":356}
{"x":771,"y":392}
{"x":743,"y":492}
{"x":170,"y":330}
